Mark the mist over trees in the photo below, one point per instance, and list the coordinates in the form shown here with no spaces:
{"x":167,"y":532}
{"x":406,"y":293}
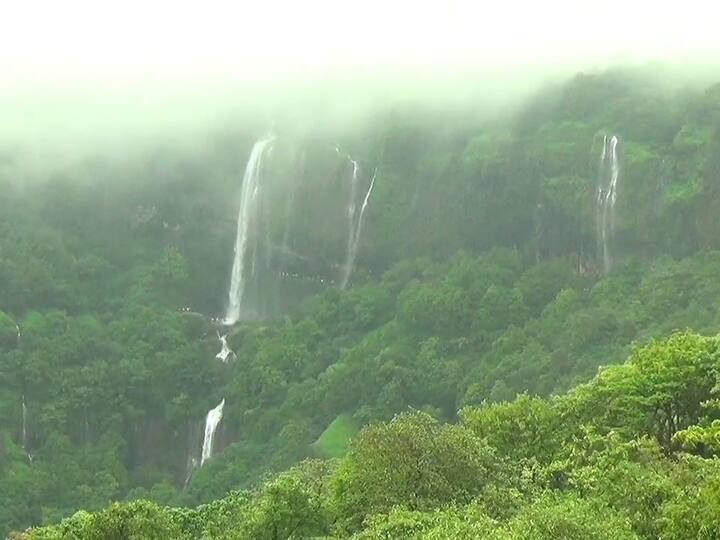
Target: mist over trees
{"x":483,"y":374}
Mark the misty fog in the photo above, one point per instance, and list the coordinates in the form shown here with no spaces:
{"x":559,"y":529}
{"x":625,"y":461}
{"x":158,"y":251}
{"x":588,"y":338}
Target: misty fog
{"x":404,"y":269}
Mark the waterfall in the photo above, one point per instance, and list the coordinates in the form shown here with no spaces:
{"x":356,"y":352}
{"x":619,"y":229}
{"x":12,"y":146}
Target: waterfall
{"x":225,"y":352}
{"x":353,"y":247}
{"x":24,"y":435}
{"x":614,"y":175}
{"x":191,"y":466}
{"x":246,"y":215}
{"x":609,"y":173}
{"x":351,"y":211}
{"x":213,"y":416}
{"x":24,"y":424}
{"x":363,"y":208}
{"x":211,"y":423}
{"x":599,"y":226}
{"x":354,"y":221}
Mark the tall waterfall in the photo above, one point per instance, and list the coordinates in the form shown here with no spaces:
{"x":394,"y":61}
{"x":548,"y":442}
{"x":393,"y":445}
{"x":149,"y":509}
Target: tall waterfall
{"x":609,"y":173}
{"x":355,"y":221}
{"x":250,"y":203}
{"x":248,"y":212}
{"x":24,"y":423}
{"x":211,"y":423}
{"x":351,"y":211}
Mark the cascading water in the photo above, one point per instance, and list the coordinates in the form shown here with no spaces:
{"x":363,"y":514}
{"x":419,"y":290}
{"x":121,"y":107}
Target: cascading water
{"x":352,"y":252}
{"x":362,"y":210}
{"x":252,"y":230}
{"x":609,"y":173}
{"x":248,"y":217}
{"x":24,"y":423}
{"x":247,"y":213}
{"x":614,"y":175}
{"x":213,"y":416}
{"x":191,"y":466}
{"x":354,"y":221}
{"x":351,"y":211}
{"x":211,"y":423}
{"x":225,"y":352}
{"x":599,"y":228}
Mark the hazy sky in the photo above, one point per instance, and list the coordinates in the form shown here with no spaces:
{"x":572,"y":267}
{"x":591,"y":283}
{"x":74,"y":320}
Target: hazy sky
{"x":74,"y":67}
{"x":54,"y":41}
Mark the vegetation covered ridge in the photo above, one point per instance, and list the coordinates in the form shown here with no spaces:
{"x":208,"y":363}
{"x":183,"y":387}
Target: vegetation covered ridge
{"x":499,"y":255}
{"x":630,"y":454}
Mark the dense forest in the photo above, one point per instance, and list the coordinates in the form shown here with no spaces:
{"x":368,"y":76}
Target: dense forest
{"x":524,"y":349}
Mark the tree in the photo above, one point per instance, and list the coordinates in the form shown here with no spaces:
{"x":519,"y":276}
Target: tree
{"x":414,"y":461}
{"x":292,"y":505}
{"x":567,"y":517}
{"x":523,"y":428}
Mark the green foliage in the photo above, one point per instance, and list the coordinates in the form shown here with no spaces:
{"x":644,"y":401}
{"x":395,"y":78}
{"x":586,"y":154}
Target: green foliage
{"x":525,"y":427}
{"x":477,"y":286}
{"x":703,"y":440}
{"x":412,"y":460}
{"x":293,"y":505}
{"x":443,"y":524}
{"x":660,"y":391}
{"x":566,"y":472}
{"x":138,"y":520}
{"x":567,"y":518}
{"x":695,"y":514}
{"x":334,"y":441}
{"x":8,"y":332}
